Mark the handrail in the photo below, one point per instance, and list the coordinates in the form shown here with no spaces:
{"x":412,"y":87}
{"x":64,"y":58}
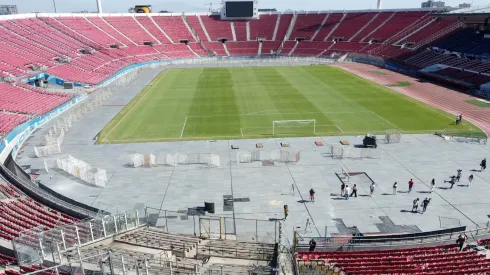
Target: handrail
{"x":335,"y":241}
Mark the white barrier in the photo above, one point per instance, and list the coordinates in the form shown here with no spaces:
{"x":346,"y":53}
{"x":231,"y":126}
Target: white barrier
{"x":79,"y":169}
{"x":338,"y":151}
{"x":163,"y":159}
{"x":263,"y":155}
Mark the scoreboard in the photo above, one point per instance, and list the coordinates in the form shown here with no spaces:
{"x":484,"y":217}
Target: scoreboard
{"x":239,"y":9}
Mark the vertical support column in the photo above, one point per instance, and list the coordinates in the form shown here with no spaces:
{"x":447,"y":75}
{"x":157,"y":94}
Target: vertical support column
{"x":115,"y":222}
{"x":59,"y":252}
{"x":138,"y":218}
{"x":123,"y":265}
{"x":42,"y":249}
{"x":126,"y":220}
{"x":63,"y":238}
{"x":256,"y":230}
{"x":103,"y":228}
{"x":99,"y":6}
{"x":222,"y":234}
{"x":91,"y":231}
{"x":78,"y":235}
{"x":146,"y":267}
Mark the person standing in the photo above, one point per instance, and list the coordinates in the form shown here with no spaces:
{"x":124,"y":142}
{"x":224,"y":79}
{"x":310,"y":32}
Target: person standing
{"x":470,"y":180}
{"x":432,"y":185}
{"x":395,"y":185}
{"x":354,"y":191}
{"x":312,"y":245}
{"x":461,"y":241}
{"x":347,"y":192}
{"x":425,"y":203}
{"x":286,"y":211}
{"x":415,"y":206}
{"x":342,"y":189}
{"x":410,"y":186}
{"x":312,"y":195}
{"x":371,"y":188}
{"x":458,"y":176}
{"x":483,"y":164}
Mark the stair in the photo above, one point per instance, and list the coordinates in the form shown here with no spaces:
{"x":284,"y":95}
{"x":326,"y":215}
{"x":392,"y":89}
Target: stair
{"x":192,"y":50}
{"x":71,"y":35}
{"x":158,"y":27}
{"x":156,"y":39}
{"x":334,"y":28}
{"x":203,"y":28}
{"x":118,"y":31}
{"x":439,"y":34}
{"x":415,"y":31}
{"x":277,"y":26}
{"x":191,"y":30}
{"x":321,"y":53}
{"x":226,"y":49}
{"x":291,"y":27}
{"x":233,"y":34}
{"x":95,"y":26}
{"x":365,"y":26}
{"x":377,"y":28}
{"x":320,"y":27}
{"x":248,"y":30}
{"x":409,"y":29}
{"x":294,"y":48}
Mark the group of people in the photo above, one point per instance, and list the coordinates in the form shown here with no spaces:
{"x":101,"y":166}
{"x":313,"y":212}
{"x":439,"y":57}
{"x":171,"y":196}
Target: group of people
{"x":425,"y":203}
{"x":346,"y":191}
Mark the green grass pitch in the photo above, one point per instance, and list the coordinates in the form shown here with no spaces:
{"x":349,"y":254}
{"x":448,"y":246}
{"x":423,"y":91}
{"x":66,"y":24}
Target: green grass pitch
{"x":231,"y":103}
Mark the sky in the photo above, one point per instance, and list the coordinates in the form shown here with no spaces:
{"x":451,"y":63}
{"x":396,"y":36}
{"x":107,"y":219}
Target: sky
{"x":25,"y":6}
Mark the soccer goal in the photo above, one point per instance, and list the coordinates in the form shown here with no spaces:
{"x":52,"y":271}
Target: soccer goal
{"x":307,"y":126}
{"x":393,"y":136}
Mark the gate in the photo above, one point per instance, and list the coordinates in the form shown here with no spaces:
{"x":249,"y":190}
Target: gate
{"x":212,"y":228}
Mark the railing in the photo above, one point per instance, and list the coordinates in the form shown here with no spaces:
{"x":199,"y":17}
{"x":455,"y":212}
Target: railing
{"x":35,"y":245}
{"x":388,"y":242}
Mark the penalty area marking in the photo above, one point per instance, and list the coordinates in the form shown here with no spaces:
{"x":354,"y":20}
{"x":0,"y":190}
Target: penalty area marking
{"x":183,"y":127}
{"x":137,"y":102}
{"x":386,"y":120}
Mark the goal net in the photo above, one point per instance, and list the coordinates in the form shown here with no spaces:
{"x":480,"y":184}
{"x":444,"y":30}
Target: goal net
{"x":393,"y":136}
{"x":293,"y":127}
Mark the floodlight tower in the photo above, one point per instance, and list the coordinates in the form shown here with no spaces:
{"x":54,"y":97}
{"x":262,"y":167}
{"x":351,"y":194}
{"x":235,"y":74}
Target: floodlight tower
{"x":99,"y":6}
{"x":379,"y":4}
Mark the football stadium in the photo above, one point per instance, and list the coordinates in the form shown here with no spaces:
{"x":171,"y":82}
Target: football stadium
{"x":245,"y":141}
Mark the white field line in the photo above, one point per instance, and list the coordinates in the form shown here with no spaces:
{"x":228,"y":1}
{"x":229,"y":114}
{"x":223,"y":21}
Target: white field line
{"x":340,"y":128}
{"x":386,"y":120}
{"x":302,"y":113}
{"x":139,"y":100}
{"x":183,"y":127}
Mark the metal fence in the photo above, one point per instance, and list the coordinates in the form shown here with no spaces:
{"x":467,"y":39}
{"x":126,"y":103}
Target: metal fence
{"x":194,"y":222}
{"x":38,"y":244}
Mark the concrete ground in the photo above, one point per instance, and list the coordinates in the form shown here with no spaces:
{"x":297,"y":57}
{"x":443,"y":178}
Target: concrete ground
{"x":182,"y":188}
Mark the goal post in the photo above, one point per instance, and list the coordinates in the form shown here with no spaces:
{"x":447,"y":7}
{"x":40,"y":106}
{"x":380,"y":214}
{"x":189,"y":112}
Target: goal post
{"x":293,"y":124}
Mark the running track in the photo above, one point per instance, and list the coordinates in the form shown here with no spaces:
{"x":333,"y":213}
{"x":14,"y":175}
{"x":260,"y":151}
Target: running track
{"x":443,"y":98}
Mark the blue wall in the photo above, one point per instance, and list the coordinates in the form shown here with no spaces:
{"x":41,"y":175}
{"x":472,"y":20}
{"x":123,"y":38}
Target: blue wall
{"x":27,"y":127}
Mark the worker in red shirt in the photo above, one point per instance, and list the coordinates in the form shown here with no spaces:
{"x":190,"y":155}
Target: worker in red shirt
{"x":410,"y":185}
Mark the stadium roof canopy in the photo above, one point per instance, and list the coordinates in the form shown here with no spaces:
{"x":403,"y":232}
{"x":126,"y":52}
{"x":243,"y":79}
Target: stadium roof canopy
{"x":473,"y":10}
{"x":473,"y":15}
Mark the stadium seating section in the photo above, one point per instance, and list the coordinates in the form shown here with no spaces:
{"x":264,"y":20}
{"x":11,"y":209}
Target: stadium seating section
{"x":19,"y":213}
{"x":440,"y":260}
